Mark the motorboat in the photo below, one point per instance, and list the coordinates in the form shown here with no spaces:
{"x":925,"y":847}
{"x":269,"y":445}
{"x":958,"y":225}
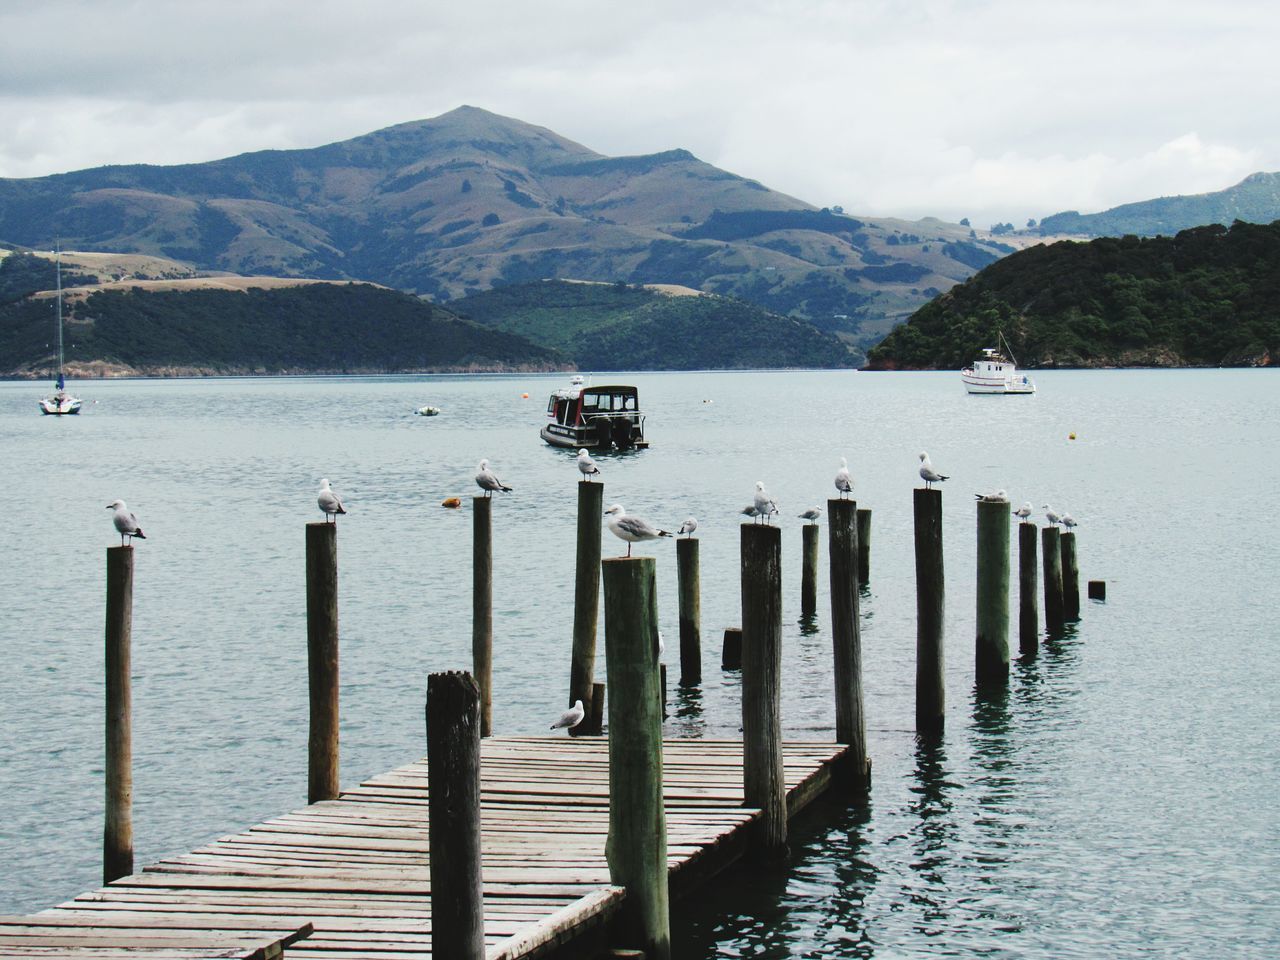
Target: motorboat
{"x":61,"y":403}
{"x":995,"y":372}
{"x":428,"y":411}
{"x":597,"y":418}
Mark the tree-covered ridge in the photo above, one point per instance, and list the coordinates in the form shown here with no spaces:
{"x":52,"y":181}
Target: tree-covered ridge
{"x":1207,"y":296}
{"x":321,"y":328}
{"x":22,"y":274}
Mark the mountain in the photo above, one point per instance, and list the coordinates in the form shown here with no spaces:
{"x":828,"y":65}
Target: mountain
{"x":1205,"y":297}
{"x":470,"y":200}
{"x":1255,"y":199}
{"x":605,"y":326}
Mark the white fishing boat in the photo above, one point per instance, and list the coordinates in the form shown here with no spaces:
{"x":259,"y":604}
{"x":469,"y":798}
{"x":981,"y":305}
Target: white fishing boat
{"x":61,"y":404}
{"x":597,"y":418}
{"x":995,"y":372}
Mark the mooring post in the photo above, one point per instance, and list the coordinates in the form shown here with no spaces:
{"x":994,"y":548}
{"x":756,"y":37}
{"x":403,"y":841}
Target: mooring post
{"x":690,"y":590}
{"x":586,"y":602}
{"x":637,"y":844}
{"x":1097,"y":590}
{"x":809,"y":570}
{"x":597,"y":706}
{"x":1051,"y":550}
{"x":864,"y":547}
{"x":763,"y":784}
{"x":1028,"y":589}
{"x":453,"y":804}
{"x":117,"y":833}
{"x":322,"y":661}
{"x":482,"y":609}
{"x":991,"y":647}
{"x":846,"y":634}
{"x":930,"y":603}
{"x":731,"y":649}
{"x":1070,"y":576}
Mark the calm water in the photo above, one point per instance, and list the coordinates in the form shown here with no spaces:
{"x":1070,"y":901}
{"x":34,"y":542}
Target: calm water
{"x":1119,"y":801}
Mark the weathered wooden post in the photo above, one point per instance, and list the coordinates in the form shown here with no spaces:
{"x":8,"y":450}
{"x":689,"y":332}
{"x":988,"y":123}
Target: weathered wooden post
{"x":846,"y":634}
{"x":1070,"y":576}
{"x":117,"y":833}
{"x":731,"y":649}
{"x":597,"y":706}
{"x":930,"y":604}
{"x":690,"y":590}
{"x":322,"y":661}
{"x":1097,"y":590}
{"x":809,"y":570}
{"x":453,"y":797}
{"x":864,"y":547}
{"x":991,"y":648}
{"x":1028,"y":589}
{"x":637,"y":844}
{"x":1051,"y":550}
{"x":763,"y":784}
{"x":586,"y":602}
{"x":482,"y":609}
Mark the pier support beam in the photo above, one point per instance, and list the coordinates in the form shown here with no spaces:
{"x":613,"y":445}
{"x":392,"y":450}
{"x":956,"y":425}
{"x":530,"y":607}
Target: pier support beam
{"x":930,"y":605}
{"x":482,"y":608}
{"x":809,"y":570}
{"x":1051,"y":550}
{"x":322,"y":661}
{"x":117,"y":834}
{"x":1028,"y":589}
{"x":1070,"y":577}
{"x":690,"y":588}
{"x":846,"y":634}
{"x":864,"y":547}
{"x":991,"y":647}
{"x":586,"y":602}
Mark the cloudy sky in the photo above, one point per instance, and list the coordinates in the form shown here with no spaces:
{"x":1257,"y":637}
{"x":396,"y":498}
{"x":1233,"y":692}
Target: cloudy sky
{"x":992,"y":109}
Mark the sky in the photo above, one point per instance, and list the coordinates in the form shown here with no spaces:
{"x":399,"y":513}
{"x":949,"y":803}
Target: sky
{"x":996,"y":110}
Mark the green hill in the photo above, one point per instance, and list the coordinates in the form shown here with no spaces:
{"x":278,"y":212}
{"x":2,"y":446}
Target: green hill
{"x":616,"y":326}
{"x":1207,"y":296}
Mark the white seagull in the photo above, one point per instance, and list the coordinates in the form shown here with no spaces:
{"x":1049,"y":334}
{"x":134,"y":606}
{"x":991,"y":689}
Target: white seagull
{"x":571,"y":717}
{"x":927,"y":473}
{"x":487,"y":482}
{"x":630,"y":529}
{"x":1051,"y":516}
{"x":748,"y":511}
{"x":763,"y":505}
{"x":1068,"y":520}
{"x":812,"y":514}
{"x":662,"y":644}
{"x":587,"y":466}
{"x":330,"y":503}
{"x":687,"y":528}
{"x":844,"y":482}
{"x":998,"y":496}
{"x":1023,"y":511}
{"x":126,"y":523}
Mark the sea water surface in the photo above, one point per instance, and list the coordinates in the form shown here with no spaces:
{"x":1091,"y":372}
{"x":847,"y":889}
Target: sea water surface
{"x":1118,"y":801}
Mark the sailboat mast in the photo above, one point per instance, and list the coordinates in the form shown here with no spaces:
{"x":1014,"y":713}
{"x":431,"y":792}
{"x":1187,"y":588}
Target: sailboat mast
{"x":57,"y":260}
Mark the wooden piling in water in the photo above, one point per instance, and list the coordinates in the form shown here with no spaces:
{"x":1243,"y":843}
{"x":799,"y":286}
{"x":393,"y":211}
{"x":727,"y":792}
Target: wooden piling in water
{"x":597,"y":707}
{"x":690,"y":590}
{"x":1051,"y":551}
{"x":586,"y":601}
{"x":117,"y":833}
{"x":453,"y":798}
{"x":809,"y":570}
{"x":930,"y":605}
{"x":1097,"y":590}
{"x":637,"y":846}
{"x":731,"y":649}
{"x":864,"y":547}
{"x":843,"y":551}
{"x":991,"y":642}
{"x":763,"y":784}
{"x":1028,"y":589}
{"x":482,"y":608}
{"x":322,"y":661}
{"x":1070,"y":576}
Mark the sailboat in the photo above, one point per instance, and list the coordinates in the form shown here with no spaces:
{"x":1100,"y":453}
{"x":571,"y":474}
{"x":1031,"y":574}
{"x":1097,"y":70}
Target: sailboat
{"x":61,"y":404}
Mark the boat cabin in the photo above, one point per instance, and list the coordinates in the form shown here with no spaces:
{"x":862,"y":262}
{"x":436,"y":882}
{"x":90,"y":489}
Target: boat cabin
{"x":597,"y":418}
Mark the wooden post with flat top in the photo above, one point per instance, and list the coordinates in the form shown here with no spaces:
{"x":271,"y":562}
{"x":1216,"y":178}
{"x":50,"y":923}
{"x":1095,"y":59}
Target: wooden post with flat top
{"x":586,"y":603}
{"x":991,"y":643}
{"x":690,"y":589}
{"x":322,"y":661}
{"x":864,"y":547}
{"x":117,"y":834}
{"x":846,"y":635}
{"x":931,"y":698}
{"x":1028,"y":589}
{"x":1070,"y":576}
{"x":482,"y":608}
{"x":1051,"y":551}
{"x":809,"y":570}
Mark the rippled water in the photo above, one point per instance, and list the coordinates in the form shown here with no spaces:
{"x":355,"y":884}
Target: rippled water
{"x":1118,"y":801}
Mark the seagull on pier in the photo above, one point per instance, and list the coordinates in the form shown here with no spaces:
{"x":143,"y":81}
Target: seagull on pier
{"x":999,"y":496}
{"x":812,"y":514}
{"x":765,"y":507}
{"x":571,"y":717}
{"x":1051,"y":515}
{"x":687,"y":528}
{"x":662,"y":644}
{"x":1068,"y":520}
{"x":587,"y":466}
{"x":1023,"y":512}
{"x":126,"y":523}
{"x":748,"y":511}
{"x":928,"y":474}
{"x":630,"y":529}
{"x":844,"y":482}
{"x":329,"y":502}
{"x":487,"y":482}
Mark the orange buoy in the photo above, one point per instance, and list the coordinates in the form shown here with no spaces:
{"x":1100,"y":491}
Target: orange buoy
{"x":452,"y":503}
{"x":524,"y":396}
{"x":1071,"y":436}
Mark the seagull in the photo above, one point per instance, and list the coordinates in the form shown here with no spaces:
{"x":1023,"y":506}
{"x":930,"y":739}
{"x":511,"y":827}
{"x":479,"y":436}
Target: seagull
{"x":812,"y":514}
{"x":662,"y":644}
{"x":1023,"y":511}
{"x":763,"y":505}
{"x":330,"y":503}
{"x":1052,"y":517}
{"x":571,"y":717}
{"x":586,"y":465}
{"x":687,"y":528}
{"x":748,"y":511}
{"x":126,"y":523}
{"x":998,"y":497}
{"x":844,"y":482}
{"x":631,"y":529}
{"x":487,"y":482}
{"x":927,"y":473}
{"x":1068,"y":520}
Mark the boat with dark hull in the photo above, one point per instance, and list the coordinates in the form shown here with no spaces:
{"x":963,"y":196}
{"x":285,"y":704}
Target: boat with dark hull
{"x":595,"y":418}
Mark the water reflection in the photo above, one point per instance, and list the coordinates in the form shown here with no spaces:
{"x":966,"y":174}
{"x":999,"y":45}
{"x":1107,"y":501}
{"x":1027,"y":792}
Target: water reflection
{"x":933,"y":836}
{"x":808,"y":625}
{"x":686,"y":712}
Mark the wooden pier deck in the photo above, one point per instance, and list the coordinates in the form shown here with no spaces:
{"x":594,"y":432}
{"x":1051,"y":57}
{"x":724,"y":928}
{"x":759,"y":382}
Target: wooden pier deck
{"x":356,"y":868}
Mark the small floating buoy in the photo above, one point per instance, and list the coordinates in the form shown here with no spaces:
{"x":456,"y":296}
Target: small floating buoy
{"x":453,"y":503}
{"x":524,"y":396}
{"x":1071,"y":436}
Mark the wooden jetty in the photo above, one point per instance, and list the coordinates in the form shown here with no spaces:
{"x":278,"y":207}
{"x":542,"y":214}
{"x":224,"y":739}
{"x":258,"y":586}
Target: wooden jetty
{"x":349,"y":878}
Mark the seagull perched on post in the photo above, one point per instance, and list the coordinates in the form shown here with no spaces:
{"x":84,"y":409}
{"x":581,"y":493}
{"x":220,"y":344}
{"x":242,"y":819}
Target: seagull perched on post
{"x":1023,"y":511}
{"x":812,"y":514}
{"x":687,"y":528}
{"x":764,"y":506}
{"x":571,"y":717}
{"x":927,"y":473}
{"x":1068,"y":520}
{"x":330,"y":503}
{"x":631,"y":529}
{"x":587,"y":466}
{"x":748,"y":511}
{"x":999,"y":496}
{"x":1051,"y":515}
{"x":126,"y":523}
{"x":844,"y":482}
{"x":487,"y":482}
